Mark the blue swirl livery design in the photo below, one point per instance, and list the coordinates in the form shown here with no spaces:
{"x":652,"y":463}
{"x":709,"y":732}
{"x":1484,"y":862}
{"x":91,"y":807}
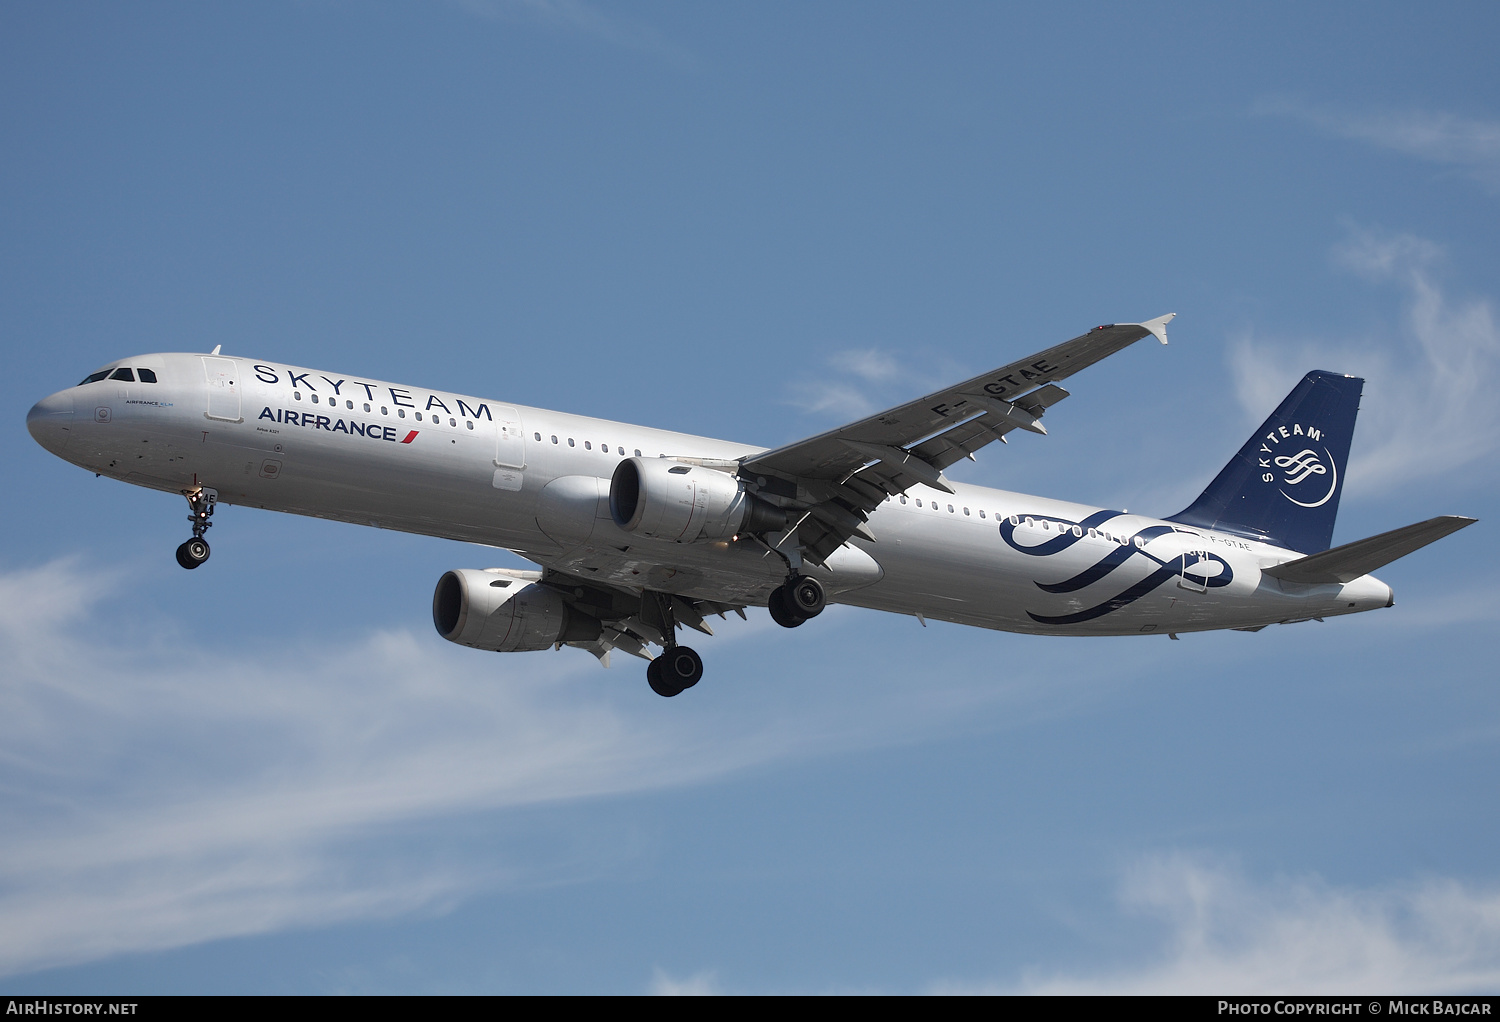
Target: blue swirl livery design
{"x":1203,"y":570}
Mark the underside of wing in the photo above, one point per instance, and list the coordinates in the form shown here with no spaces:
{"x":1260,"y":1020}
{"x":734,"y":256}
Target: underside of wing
{"x":629,"y":618}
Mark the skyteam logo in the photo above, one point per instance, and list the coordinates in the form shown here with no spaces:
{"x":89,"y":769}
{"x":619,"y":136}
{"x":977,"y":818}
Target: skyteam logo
{"x":1306,"y":469}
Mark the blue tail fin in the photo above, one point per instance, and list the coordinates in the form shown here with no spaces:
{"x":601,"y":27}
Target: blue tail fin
{"x":1284,"y":484}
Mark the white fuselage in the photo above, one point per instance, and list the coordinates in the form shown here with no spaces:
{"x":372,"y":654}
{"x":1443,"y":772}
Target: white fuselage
{"x":537,"y":482}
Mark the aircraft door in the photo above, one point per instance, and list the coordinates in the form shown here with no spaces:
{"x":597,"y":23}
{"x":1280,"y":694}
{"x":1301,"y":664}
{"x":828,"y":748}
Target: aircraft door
{"x":224,"y":386}
{"x":510,"y":448}
{"x":1195,"y":571}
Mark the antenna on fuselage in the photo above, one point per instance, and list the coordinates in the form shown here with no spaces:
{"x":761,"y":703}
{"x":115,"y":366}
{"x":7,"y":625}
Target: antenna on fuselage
{"x":216,"y":349}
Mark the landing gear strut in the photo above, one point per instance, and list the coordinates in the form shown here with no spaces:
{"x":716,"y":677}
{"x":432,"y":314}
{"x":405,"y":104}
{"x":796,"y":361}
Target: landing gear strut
{"x":195,"y":551}
{"x":678,"y":668}
{"x":802,"y":597}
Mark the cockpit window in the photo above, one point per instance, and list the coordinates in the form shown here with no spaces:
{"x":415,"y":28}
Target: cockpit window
{"x":94,"y":377}
{"x":123,"y":374}
{"x":146,"y":375}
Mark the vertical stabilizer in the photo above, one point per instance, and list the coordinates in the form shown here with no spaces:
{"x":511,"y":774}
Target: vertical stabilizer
{"x":1284,"y":484}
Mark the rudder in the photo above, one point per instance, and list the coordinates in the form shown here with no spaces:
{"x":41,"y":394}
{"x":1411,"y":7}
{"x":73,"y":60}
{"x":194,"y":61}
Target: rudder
{"x":1284,"y":485}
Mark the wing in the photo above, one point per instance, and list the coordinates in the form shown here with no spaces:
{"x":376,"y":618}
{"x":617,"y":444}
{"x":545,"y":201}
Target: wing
{"x":834,"y":480}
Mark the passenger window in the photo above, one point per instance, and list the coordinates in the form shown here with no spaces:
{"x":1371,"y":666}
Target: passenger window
{"x":950,"y":509}
{"x":1078,"y":531}
{"x":454,"y":422}
{"x":383,"y":410}
{"x":367,"y":406}
{"x":400,"y":413}
{"x":469,"y":423}
{"x":146,"y":375}
{"x":123,"y":374}
{"x":315,"y":399}
{"x":903,"y":498}
{"x":538,"y":437}
{"x":554,"y":438}
{"x":418,"y":414}
{"x":349,"y":404}
{"x":966,"y":510}
{"x":571,"y":443}
{"x":981,"y":512}
{"x":919,"y":502}
{"x":637,"y":452}
{"x":1140,"y":542}
{"x":587,"y":446}
{"x":297,"y":394}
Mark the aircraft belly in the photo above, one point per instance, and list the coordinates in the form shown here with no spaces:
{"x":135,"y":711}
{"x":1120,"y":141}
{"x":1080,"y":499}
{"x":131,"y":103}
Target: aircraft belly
{"x":945,"y":569}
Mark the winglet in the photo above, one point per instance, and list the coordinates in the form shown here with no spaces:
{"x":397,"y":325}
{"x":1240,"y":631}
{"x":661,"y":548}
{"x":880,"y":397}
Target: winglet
{"x":216,"y":350}
{"x":1158,"y":326}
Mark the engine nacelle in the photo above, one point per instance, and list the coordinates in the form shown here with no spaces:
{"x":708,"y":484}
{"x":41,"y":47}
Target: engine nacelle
{"x":505,"y":614}
{"x":663,"y":499}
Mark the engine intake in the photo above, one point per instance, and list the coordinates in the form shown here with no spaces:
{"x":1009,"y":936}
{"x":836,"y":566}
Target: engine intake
{"x":505,"y":614}
{"x":663,"y":499}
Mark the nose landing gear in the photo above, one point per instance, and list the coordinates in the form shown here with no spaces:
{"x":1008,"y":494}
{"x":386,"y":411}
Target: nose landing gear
{"x":802,"y":597}
{"x":195,"y":551}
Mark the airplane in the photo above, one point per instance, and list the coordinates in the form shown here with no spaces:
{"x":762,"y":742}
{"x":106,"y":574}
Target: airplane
{"x":639,"y":532}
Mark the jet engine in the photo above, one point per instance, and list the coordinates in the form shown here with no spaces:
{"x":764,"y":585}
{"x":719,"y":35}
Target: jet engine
{"x":663,"y":499}
{"x":505,"y":613}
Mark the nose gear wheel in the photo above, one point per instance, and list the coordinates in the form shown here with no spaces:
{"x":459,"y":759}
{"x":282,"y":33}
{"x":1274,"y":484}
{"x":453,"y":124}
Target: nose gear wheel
{"x":192,"y":553}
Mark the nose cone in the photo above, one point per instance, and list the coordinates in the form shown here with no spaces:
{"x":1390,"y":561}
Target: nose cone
{"x":50,"y":421}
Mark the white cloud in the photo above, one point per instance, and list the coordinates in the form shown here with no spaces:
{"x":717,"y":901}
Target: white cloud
{"x":859,"y":382}
{"x":1228,"y":935}
{"x":161,"y":790}
{"x":870,"y":365}
{"x":1469,"y":144}
{"x":1428,"y":404}
{"x":701,"y":984}
{"x":833,"y":398}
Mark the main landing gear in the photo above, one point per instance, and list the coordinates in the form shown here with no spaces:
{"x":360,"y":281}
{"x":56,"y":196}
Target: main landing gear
{"x":195,"y":551}
{"x":678,"y":668}
{"x":802,"y":597}
{"x":675,"y":671}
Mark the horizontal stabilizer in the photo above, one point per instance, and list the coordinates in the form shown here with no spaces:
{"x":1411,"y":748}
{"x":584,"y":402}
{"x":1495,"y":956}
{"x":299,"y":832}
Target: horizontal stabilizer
{"x":1352,"y":560}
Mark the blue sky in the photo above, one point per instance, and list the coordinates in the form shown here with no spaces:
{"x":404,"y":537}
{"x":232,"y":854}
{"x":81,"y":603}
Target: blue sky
{"x":751,"y":221}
